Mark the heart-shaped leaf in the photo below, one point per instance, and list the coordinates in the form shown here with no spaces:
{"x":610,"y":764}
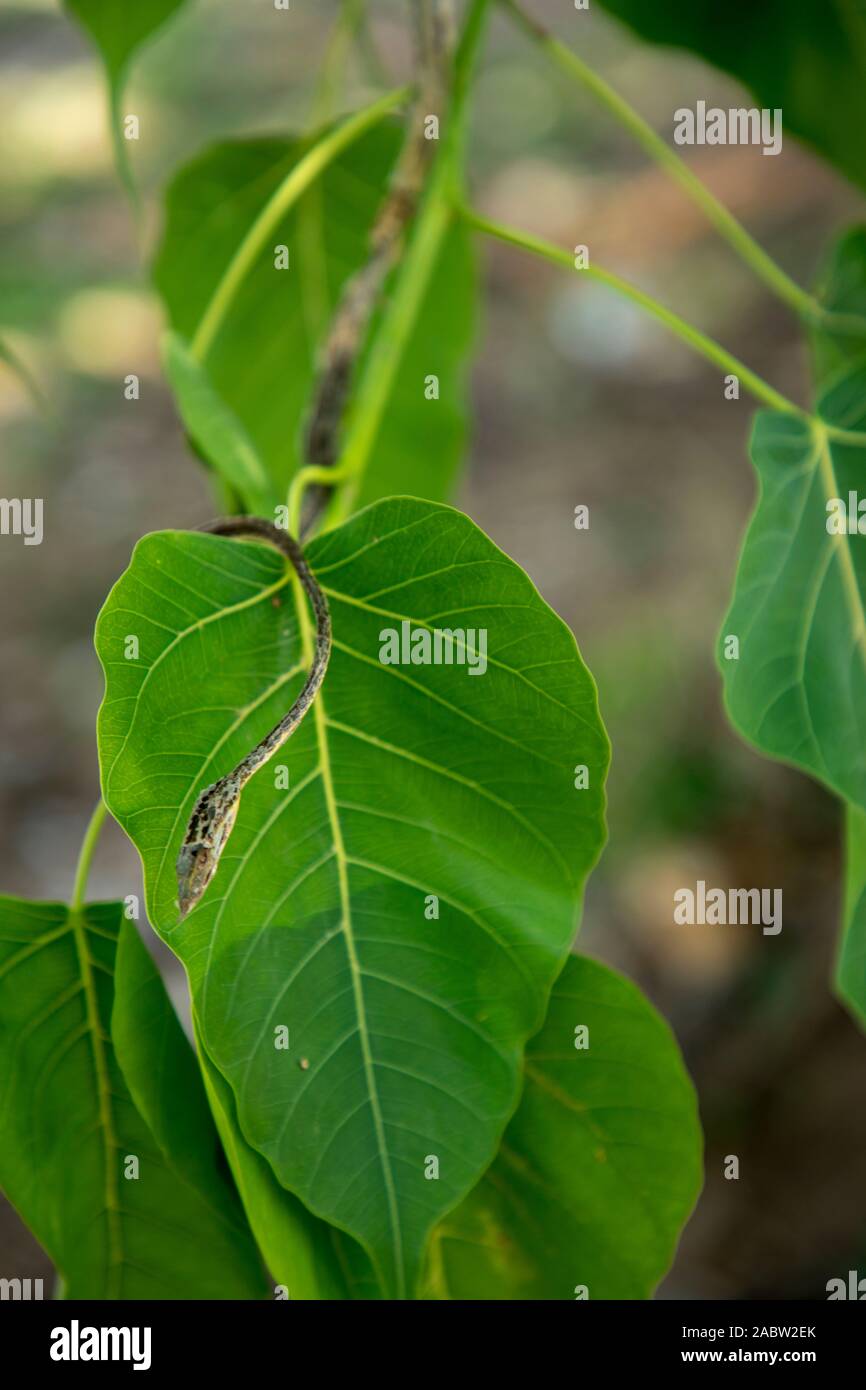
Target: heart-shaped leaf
{"x":599,"y":1168}
{"x":261,"y":360}
{"x":400,"y":890}
{"x":92,"y":1080}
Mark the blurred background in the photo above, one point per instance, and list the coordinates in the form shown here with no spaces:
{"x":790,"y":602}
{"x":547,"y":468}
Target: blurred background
{"x":577,"y":399}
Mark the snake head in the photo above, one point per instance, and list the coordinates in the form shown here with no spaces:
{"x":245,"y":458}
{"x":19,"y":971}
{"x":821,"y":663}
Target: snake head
{"x":209,"y":828}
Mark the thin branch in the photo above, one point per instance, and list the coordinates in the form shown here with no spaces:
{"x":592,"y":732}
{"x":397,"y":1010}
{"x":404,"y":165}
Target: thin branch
{"x":695,"y":339}
{"x":707,"y":347}
{"x":749,"y":251}
{"x":88,"y":845}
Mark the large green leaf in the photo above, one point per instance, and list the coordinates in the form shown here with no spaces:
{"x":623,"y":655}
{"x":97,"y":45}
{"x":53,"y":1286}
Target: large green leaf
{"x":404,"y":783}
{"x":807,"y":59}
{"x":810,"y":580}
{"x":262,"y":360}
{"x":72,"y":1116}
{"x":599,"y":1168}
{"x":797,"y":690}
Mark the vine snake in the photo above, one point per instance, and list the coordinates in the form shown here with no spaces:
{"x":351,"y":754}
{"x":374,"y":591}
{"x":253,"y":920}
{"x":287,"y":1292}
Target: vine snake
{"x":214,"y":813}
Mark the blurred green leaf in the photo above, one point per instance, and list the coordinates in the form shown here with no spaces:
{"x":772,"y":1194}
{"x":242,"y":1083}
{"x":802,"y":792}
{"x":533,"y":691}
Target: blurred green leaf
{"x":118,"y":29}
{"x":797,"y":690}
{"x":842,"y":285}
{"x":402,"y":786}
{"x":73,"y":1115}
{"x":262,"y":360}
{"x":599,"y":1168}
{"x":807,"y":59}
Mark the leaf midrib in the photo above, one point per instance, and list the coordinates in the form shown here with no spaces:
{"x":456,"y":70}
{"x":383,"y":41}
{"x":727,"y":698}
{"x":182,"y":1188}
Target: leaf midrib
{"x":320,"y":724}
{"x":110,"y":1143}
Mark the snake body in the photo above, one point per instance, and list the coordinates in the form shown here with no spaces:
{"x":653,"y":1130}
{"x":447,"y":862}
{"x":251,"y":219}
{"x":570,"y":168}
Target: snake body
{"x":215,"y":810}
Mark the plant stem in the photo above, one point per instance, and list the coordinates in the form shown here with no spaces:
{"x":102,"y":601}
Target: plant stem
{"x":698,"y":341}
{"x":310,"y":475}
{"x":856,"y":438}
{"x":296,"y":182}
{"x":375,"y":387}
{"x":88,"y":845}
{"x":433,"y":222}
{"x":763,"y":265}
{"x":361,"y":293}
